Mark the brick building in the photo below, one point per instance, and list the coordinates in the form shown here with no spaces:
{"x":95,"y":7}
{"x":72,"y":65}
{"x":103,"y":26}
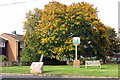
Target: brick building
{"x":11,"y":45}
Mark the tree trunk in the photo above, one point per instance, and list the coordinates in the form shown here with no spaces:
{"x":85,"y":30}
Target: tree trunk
{"x":41,"y":58}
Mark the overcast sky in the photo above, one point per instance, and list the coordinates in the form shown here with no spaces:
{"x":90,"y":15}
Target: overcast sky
{"x":12,"y":12}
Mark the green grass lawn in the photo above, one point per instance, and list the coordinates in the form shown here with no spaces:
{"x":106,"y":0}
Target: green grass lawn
{"x":106,"y":70}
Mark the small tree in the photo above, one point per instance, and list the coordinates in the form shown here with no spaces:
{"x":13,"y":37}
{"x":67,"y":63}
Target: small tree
{"x":31,"y":40}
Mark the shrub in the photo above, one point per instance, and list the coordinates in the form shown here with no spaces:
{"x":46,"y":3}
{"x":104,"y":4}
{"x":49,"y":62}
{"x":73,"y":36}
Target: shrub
{"x":3,"y":58}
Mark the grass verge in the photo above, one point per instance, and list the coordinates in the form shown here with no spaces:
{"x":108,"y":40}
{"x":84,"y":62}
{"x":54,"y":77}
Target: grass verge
{"x":106,"y":70}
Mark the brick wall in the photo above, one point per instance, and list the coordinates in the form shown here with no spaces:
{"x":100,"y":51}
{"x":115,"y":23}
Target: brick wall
{"x":12,"y":48}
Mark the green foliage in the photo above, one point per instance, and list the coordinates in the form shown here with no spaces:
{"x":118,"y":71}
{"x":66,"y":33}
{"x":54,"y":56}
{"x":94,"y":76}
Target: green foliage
{"x":50,"y":31}
{"x":30,"y":52}
{"x":88,"y":59}
{"x":27,"y":55}
{"x":114,"y":42}
{"x":3,"y":58}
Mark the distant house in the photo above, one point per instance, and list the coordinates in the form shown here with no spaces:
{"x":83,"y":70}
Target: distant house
{"x":11,"y":45}
{"x":3,"y":44}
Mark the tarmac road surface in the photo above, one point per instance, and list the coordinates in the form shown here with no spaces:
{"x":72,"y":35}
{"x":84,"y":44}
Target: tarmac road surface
{"x":33,"y":77}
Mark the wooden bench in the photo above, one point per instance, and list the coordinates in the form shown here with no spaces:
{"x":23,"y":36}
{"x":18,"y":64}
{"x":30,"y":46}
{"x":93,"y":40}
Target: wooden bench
{"x":92,"y":63}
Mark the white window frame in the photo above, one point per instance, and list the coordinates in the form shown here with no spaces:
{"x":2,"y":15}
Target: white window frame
{"x":21,"y":44}
{"x":3,"y":44}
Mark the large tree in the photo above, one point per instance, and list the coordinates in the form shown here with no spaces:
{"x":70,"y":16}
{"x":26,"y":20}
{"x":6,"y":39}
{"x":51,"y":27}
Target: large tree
{"x":50,"y":31}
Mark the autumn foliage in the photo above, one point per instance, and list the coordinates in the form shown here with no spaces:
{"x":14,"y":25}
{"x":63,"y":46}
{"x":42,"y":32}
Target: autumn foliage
{"x":50,"y":31}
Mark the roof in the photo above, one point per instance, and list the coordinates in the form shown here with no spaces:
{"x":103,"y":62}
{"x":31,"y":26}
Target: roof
{"x":1,"y":37}
{"x":15,"y":36}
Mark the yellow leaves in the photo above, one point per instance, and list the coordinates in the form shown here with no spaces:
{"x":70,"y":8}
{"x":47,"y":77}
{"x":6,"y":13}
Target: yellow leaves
{"x":52,"y":38}
{"x":103,"y":36}
{"x":40,"y":52}
{"x":102,"y":29}
{"x":47,"y":40}
{"x":52,"y":51}
{"x":71,"y":55}
{"x":62,"y":29}
{"x":53,"y":56}
{"x":77,"y":22}
{"x":63,"y":25}
{"x":77,"y":17}
{"x":44,"y":40}
{"x":80,"y":12}
{"x":68,"y":41}
{"x":72,"y":16}
{"x":71,"y":48}
{"x":92,"y":16}
{"x":55,"y":25}
{"x":86,"y":14}
{"x":46,"y":27}
{"x":60,"y":49}
{"x":95,"y":22}
{"x":87,"y":18}
{"x":57,"y":20}
{"x":56,"y":50}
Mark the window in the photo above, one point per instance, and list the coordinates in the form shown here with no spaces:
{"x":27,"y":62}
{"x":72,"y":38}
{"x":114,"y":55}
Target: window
{"x":2,"y":44}
{"x":21,"y":45}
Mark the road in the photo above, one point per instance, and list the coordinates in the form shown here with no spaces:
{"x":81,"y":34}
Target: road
{"x":33,"y":77}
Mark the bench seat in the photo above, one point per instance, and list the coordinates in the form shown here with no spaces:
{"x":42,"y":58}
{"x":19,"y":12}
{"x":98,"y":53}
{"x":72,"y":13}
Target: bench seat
{"x":92,"y":63}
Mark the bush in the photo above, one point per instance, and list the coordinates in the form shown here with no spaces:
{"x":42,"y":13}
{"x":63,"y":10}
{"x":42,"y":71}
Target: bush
{"x":86,"y":59}
{"x":89,"y":59}
{"x":94,"y":58}
{"x":27,"y":55}
{"x":3,"y":58}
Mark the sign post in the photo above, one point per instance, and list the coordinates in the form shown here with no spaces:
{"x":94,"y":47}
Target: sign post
{"x":76,"y":52}
{"x":76,"y":42}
